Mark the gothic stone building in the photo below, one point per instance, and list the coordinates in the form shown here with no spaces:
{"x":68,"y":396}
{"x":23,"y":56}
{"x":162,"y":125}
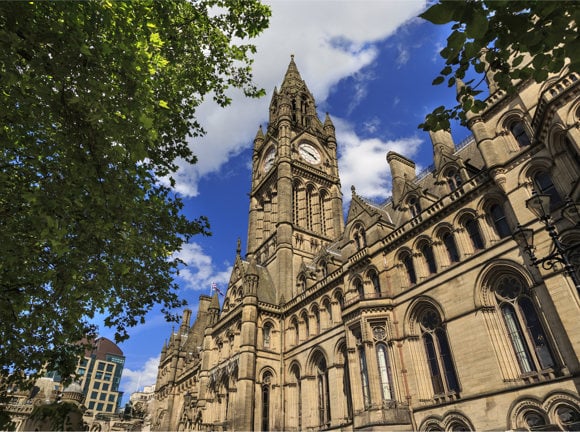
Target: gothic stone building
{"x":420,"y":313}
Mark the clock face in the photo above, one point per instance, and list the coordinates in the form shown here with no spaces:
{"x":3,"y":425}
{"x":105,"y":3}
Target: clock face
{"x":309,"y":153}
{"x":269,"y":159}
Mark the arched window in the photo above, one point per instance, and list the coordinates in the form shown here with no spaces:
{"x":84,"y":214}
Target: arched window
{"x":322,"y":205}
{"x":358,"y":286}
{"x":295,"y":330}
{"x":499,"y":221}
{"x":296,"y":375}
{"x":543,"y":185}
{"x":374,"y":277}
{"x":304,"y":318}
{"x":453,"y":179}
{"x":296,"y":202}
{"x":267,"y":334}
{"x":472,"y":227}
{"x":414,"y":206}
{"x":323,"y":267}
{"x":364,"y":375}
{"x":441,"y":368}
{"x":323,"y":390}
{"x":568,"y":417}
{"x":316,"y":315}
{"x":309,"y":204}
{"x":346,"y":382}
{"x":519,"y":133}
{"x":450,"y":246}
{"x":427,"y":251}
{"x":301,"y":283}
{"x":328,"y":308}
{"x":360,"y":237}
{"x":384,"y":372}
{"x":524,"y":329}
{"x":407,"y":261}
{"x":266,"y":381}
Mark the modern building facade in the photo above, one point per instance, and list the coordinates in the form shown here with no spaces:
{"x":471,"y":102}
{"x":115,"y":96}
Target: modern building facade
{"x":418,"y":313}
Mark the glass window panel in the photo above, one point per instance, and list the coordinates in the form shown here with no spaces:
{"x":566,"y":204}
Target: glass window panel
{"x":517,"y":338}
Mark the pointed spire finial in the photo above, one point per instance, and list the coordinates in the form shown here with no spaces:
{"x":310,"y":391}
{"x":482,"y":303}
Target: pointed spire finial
{"x":239,"y":245}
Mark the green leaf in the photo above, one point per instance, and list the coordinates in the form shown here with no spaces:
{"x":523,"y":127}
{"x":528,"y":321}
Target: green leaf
{"x":478,"y":25}
{"x":440,"y":13}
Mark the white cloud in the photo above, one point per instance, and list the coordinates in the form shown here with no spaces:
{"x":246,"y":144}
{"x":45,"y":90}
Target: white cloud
{"x":331,"y":40}
{"x":200,"y":271}
{"x":373,"y":180}
{"x":134,"y":380}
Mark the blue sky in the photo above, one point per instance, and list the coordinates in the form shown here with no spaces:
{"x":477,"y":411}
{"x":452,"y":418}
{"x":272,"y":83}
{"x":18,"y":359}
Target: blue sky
{"x":370,"y":65}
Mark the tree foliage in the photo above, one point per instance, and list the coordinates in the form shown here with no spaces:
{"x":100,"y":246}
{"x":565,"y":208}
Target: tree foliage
{"x":98,"y":99}
{"x":510,"y":40}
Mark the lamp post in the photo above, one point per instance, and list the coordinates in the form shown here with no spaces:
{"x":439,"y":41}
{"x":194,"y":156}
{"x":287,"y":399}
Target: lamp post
{"x":539,"y":205}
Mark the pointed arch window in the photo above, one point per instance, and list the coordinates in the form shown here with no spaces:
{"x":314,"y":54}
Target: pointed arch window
{"x":316,"y":315}
{"x":328,"y":309}
{"x":441,"y":367}
{"x":364,"y":377}
{"x":295,"y":330}
{"x":450,"y":246}
{"x":472,"y":227}
{"x":407,"y":261}
{"x":323,"y":198}
{"x":543,"y":185}
{"x":296,"y":203}
{"x":323,"y":392}
{"x":384,"y":372}
{"x":296,"y":375}
{"x":374,"y":277}
{"x":453,"y":179}
{"x":524,"y":328}
{"x":346,"y":388}
{"x":427,"y":251}
{"x":360,"y":237}
{"x":414,"y":206}
{"x":518,"y":131}
{"x":309,"y":204}
{"x":266,"y":382}
{"x":358,"y":286}
{"x":304,"y":317}
{"x":499,"y":220}
{"x":267,"y":334}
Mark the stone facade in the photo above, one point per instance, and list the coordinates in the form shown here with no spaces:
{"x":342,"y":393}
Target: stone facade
{"x":419,"y":313}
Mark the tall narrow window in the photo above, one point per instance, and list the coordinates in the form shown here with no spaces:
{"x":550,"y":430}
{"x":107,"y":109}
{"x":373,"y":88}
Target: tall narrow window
{"x":414,"y":206}
{"x":450,"y":246}
{"x":296,"y":374}
{"x":316,"y":315}
{"x":358,"y":286}
{"x":266,"y":402}
{"x":472,"y":228}
{"x":295,"y":331}
{"x":322,"y":206}
{"x":374,"y":277}
{"x":309,"y":193}
{"x":441,"y":367}
{"x":296,"y":203}
{"x":519,"y":133}
{"x":306,"y":324}
{"x":267,"y":334}
{"x":499,"y":221}
{"x":384,"y":372}
{"x":364,"y":377}
{"x":543,"y":185}
{"x":524,"y":328}
{"x":407,"y":261}
{"x":323,"y":392}
{"x":427,"y":251}
{"x":453,"y":179}
{"x":346,"y":382}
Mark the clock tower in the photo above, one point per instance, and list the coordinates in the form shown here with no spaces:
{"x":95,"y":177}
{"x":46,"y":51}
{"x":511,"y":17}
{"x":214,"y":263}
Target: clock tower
{"x":295,"y":201}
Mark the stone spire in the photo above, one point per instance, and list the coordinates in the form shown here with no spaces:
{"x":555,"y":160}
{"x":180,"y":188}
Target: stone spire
{"x":292,"y":79}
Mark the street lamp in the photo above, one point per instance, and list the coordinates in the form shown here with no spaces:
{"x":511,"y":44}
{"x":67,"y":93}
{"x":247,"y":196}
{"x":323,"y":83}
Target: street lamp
{"x":539,"y":205}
